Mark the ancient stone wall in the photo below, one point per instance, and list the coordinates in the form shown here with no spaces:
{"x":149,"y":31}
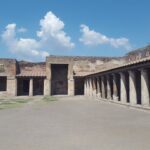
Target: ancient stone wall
{"x":138,"y":54}
{"x":31,"y":69}
{"x":8,"y":67}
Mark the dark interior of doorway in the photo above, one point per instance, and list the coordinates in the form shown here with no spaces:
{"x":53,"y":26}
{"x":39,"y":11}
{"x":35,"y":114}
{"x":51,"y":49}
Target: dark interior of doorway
{"x":23,"y":86}
{"x":3,"y":83}
{"x":79,"y":86}
{"x":59,"y":73}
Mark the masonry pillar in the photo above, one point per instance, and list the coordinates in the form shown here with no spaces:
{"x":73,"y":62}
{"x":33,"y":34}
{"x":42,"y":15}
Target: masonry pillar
{"x":98,"y":87}
{"x":103,"y":86}
{"x":108,"y":88}
{"x":47,"y":81}
{"x":71,"y":88}
{"x":85,"y":87}
{"x":12,"y":86}
{"x":123,"y":92}
{"x":144,"y":88}
{"x":132,"y":88}
{"x":31,"y":87}
{"x":115,"y":90}
{"x":91,"y":88}
{"x":47,"y":87}
{"x":94,"y":86}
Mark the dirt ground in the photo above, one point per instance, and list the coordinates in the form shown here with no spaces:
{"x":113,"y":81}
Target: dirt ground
{"x":71,"y":123}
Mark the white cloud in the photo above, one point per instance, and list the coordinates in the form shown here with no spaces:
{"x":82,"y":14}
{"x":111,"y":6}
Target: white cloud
{"x":50,"y":37}
{"x":52,"y":32}
{"x":93,"y":38}
{"x":24,"y":47}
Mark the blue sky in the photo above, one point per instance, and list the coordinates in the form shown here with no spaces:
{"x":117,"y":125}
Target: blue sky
{"x":33,"y":29}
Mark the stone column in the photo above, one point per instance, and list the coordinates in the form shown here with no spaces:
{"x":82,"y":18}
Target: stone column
{"x":103,"y":87}
{"x":85,"y":87}
{"x":123,"y":92}
{"x":47,"y":81}
{"x":71,"y":88}
{"x":91,"y":88}
{"x":132,"y":88}
{"x":47,"y":87}
{"x":12,"y":86}
{"x":31,"y":87}
{"x":115,"y":90}
{"x":98,"y":87}
{"x":94,"y":86}
{"x":144,"y":88}
{"x":108,"y":88}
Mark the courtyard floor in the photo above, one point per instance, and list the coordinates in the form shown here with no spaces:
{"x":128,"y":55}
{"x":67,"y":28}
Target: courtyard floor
{"x":73,"y":123}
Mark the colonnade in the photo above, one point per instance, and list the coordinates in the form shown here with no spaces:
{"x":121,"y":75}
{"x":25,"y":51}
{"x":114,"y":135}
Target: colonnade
{"x":129,"y":86}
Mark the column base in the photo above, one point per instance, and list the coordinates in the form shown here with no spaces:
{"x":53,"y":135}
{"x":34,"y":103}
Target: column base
{"x":115,"y":98}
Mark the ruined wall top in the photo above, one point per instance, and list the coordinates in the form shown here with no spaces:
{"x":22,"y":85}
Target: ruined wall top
{"x":31,"y":69}
{"x":83,"y":65}
{"x":138,"y":54}
{"x":8,"y":67}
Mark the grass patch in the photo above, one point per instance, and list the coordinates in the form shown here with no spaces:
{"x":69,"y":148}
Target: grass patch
{"x":49,"y":98}
{"x":6,"y":103}
{"x":12,"y":103}
{"x":9,"y":105}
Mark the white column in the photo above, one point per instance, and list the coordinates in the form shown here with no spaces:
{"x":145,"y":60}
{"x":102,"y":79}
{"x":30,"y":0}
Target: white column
{"x":91,"y":88}
{"x":94,"y":86}
{"x":123,"y":92}
{"x":144,"y":88}
{"x":98,"y":87}
{"x":108,"y":88}
{"x":71,"y":88}
{"x":31,"y":87}
{"x":88,"y":87}
{"x":103,"y":87}
{"x":115,"y":90}
{"x":47,"y":87}
{"x":85,"y":87}
{"x":132,"y":88}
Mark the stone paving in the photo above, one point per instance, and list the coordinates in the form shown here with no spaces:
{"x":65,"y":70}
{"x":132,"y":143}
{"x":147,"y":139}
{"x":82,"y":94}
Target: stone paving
{"x":74,"y":123}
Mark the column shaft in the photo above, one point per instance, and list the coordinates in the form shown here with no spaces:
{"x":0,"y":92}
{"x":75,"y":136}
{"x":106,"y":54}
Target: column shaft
{"x":47,"y":87}
{"x":108,"y":88}
{"x":94,"y":87}
{"x":31,"y":87}
{"x":103,"y":87}
{"x":85,"y":87}
{"x":144,"y":88}
{"x":132,"y":88}
{"x":115,"y":90}
{"x":98,"y":87}
{"x":91,"y":88}
{"x":123,"y":88}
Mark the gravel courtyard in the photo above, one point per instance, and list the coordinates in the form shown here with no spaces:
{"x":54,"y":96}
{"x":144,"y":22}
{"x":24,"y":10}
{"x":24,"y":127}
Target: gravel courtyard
{"x":74,"y":123}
